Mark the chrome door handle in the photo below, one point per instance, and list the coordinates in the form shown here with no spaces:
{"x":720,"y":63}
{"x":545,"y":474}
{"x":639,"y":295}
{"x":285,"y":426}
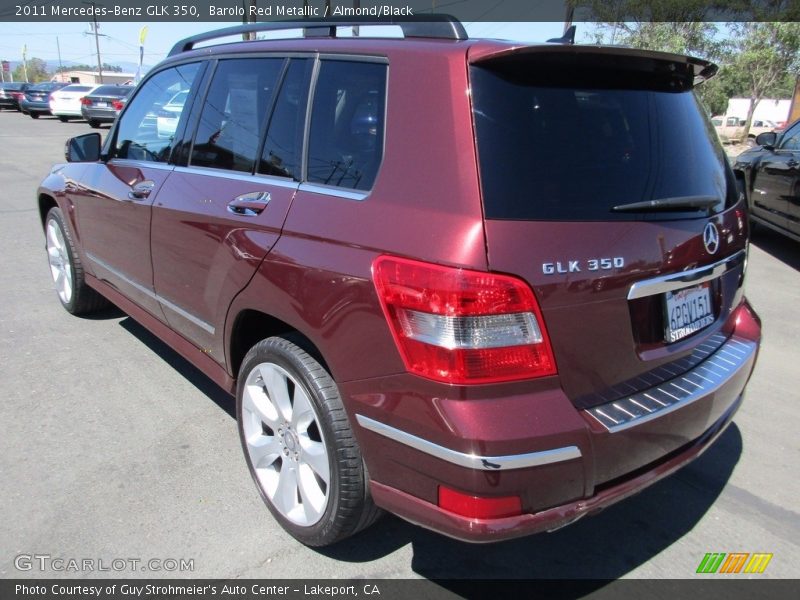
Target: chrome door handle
{"x":141,"y":190}
{"x":249,"y":205}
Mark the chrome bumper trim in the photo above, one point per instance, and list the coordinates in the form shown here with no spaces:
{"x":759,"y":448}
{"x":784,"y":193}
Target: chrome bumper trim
{"x":471,"y":461}
{"x":700,"y":381}
{"x":682,"y":279}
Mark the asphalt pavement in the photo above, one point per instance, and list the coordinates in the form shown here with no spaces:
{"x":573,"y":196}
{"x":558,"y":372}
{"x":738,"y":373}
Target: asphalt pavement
{"x":112,"y":447}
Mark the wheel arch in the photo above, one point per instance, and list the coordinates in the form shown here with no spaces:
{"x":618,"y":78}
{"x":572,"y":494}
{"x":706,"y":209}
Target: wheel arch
{"x":46,"y":202}
{"x":250,"y":326}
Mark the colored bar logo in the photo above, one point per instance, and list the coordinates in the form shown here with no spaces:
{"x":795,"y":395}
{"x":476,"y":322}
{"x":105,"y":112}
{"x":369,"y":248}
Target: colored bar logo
{"x":734,"y":562}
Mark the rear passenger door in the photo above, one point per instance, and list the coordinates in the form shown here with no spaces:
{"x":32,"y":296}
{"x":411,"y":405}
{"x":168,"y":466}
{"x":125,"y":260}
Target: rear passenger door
{"x":223,"y":209}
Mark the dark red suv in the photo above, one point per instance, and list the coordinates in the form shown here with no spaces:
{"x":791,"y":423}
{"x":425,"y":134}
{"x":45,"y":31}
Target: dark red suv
{"x":488,"y":287}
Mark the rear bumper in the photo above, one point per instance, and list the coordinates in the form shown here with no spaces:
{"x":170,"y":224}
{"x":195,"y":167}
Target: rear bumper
{"x":37,"y":107}
{"x":97,"y":114}
{"x":563,"y":463}
{"x":466,"y":529}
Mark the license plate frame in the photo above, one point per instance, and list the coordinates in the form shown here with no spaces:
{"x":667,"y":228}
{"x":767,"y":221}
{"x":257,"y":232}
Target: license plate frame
{"x":687,"y":311}
{"x":101,"y":104}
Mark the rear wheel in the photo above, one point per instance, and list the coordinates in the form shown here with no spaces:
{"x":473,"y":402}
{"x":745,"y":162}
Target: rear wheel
{"x":94,"y":124}
{"x":63,"y":119}
{"x":298,"y":444}
{"x":34,"y":115}
{"x":66,"y":268}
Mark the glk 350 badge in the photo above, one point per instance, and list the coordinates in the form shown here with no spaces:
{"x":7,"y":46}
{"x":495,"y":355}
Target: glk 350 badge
{"x":577,"y":266}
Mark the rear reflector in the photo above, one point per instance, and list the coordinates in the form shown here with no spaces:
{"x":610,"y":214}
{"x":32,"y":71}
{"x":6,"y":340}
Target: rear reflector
{"x":476,"y":507}
{"x":460,"y":326}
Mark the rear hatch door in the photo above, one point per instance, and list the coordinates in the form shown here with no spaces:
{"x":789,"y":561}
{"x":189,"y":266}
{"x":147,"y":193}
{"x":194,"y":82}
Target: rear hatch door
{"x":601,"y":178}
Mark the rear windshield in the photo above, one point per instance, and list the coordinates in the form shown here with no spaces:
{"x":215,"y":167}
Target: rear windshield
{"x":570,"y":146}
{"x":77,"y":88}
{"x":112,"y":90}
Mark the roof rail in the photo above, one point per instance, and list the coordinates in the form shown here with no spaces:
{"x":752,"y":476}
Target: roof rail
{"x":438,"y":26}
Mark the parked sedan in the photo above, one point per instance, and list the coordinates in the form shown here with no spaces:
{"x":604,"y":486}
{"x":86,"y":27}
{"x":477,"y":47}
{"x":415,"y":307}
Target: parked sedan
{"x":104,"y":104}
{"x":66,"y":102}
{"x":11,"y":93}
{"x":37,"y":98}
{"x":772,"y":180}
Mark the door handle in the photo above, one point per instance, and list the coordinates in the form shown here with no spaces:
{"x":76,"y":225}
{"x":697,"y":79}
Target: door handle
{"x":141,"y":190}
{"x":249,"y":205}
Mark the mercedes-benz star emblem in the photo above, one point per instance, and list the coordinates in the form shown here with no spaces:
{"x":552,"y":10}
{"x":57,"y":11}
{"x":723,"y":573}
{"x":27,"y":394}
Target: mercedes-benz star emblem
{"x":711,"y":238}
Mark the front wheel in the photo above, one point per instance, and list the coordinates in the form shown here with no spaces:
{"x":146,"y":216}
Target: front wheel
{"x":298,"y":444}
{"x":66,"y":268}
{"x":34,"y":115}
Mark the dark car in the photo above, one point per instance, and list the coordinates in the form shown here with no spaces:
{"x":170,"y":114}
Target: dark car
{"x":11,"y":93}
{"x":104,"y":104}
{"x":771,"y":174}
{"x":37,"y":98}
{"x":427,"y":301}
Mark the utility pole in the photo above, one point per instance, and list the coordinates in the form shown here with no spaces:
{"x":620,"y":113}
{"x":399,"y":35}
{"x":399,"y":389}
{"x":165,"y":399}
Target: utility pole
{"x":96,"y":39}
{"x":60,"y":66}
{"x":25,"y":61}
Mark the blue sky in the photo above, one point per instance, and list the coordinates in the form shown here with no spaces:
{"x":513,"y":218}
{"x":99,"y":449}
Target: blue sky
{"x":120,"y":41}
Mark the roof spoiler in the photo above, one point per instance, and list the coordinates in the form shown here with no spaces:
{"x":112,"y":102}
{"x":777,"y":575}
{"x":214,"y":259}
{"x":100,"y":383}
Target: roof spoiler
{"x":434,"y":26}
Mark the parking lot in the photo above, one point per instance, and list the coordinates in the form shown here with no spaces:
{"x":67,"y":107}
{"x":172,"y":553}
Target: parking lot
{"x":113,"y":447}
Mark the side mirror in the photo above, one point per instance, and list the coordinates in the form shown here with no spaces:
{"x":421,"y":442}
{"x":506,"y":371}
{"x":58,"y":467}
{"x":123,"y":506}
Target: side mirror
{"x":83,"y":148}
{"x":767,"y":139}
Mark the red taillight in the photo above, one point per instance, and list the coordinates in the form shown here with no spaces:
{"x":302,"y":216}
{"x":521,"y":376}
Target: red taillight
{"x":117,"y":105}
{"x":86,"y":101}
{"x":476,"y":507}
{"x":460,"y":326}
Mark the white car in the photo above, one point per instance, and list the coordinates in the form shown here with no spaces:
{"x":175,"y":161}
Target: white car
{"x":66,"y":102}
{"x":167,"y":117}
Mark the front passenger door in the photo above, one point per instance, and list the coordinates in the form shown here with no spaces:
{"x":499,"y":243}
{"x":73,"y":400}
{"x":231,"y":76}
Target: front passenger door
{"x":776,"y":186}
{"x":114,"y":206}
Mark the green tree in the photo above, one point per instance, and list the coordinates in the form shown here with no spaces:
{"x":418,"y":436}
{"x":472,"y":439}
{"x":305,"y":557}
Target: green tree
{"x":37,"y":71}
{"x":767,"y":55}
{"x":93,"y":68}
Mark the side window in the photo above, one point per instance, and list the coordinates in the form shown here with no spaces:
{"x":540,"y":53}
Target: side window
{"x":347,"y":124}
{"x":791,"y":139}
{"x":284,"y":142}
{"x":231,"y":121}
{"x":147,"y":129}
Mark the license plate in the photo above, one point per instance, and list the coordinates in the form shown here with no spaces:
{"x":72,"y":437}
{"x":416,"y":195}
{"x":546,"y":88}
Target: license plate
{"x":687,"y":311}
{"x":101,"y":104}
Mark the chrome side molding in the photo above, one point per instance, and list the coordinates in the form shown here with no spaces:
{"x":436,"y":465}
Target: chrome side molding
{"x":471,"y":461}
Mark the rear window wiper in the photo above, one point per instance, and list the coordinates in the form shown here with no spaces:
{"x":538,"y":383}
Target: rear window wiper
{"x":677,"y":203}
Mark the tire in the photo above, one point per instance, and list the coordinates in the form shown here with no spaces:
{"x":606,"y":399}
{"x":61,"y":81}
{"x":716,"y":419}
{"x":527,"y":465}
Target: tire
{"x":66,"y":269}
{"x":291,"y":450}
{"x":94,"y":124}
{"x":34,"y":115}
{"x":63,"y":119}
